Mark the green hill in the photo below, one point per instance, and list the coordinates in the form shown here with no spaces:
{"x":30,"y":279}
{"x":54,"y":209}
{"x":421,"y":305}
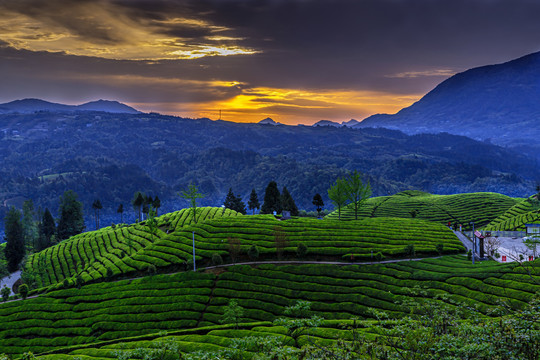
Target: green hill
{"x":481,"y":208}
{"x":515,"y":218}
{"x":112,"y":310}
{"x":131,"y":249}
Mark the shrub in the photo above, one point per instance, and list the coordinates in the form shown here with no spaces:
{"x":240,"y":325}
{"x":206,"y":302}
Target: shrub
{"x":439,"y":247}
{"x":5,"y":293}
{"x":301,"y":250}
{"x":253,"y":252}
{"x":109,"y":272}
{"x":217,"y":259}
{"x":151,"y":269}
{"x":65,"y":283}
{"x":379,"y":256}
{"x":23,"y":290}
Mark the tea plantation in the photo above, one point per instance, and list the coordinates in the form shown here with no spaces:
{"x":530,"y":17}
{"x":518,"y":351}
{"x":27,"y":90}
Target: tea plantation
{"x":133,"y":249}
{"x":481,"y":208}
{"x":113,"y":310}
{"x":515,"y":218}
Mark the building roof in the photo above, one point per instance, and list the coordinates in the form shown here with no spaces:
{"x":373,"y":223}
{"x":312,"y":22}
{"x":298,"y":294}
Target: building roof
{"x":532,"y":225}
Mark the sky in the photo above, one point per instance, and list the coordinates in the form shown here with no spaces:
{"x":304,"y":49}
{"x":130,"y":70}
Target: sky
{"x":296,"y":61}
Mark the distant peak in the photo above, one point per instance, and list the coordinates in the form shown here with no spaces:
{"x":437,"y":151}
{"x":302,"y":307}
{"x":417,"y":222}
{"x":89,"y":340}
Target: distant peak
{"x":31,"y":105}
{"x":327,"y":123}
{"x":268,"y":121}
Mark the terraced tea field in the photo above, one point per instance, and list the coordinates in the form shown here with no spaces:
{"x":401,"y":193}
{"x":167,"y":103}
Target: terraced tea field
{"x":515,"y":218}
{"x":481,"y":208}
{"x":111,"y":252}
{"x":112,"y":310}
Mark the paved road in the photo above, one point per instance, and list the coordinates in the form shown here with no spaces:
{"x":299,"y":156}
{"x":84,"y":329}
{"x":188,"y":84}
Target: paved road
{"x":465,"y":240}
{"x":10,"y":280}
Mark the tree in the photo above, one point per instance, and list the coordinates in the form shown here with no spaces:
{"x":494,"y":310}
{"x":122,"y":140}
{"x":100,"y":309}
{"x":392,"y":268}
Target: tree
{"x":280,"y":241}
{"x":239,"y":205}
{"x":47,"y":229}
{"x":14,"y":250}
{"x":137,"y":202}
{"x":229,"y":199}
{"x":253,"y":252}
{"x":30,"y":228}
{"x":357,"y":191}
{"x":301,"y":250}
{"x":23,"y":290}
{"x":5,"y":293}
{"x":272,"y":199}
{"x":151,"y":223}
{"x":287,"y":202}
{"x":338,"y":195}
{"x":253,"y":202}
{"x":318,"y":202}
{"x":298,"y":320}
{"x":96,"y":205}
{"x":71,"y":216}
{"x":233,"y":313}
{"x":192,"y":194}
{"x":234,"y":248}
{"x":120,"y":211}
{"x":147,"y":203}
{"x":156,"y":204}
{"x":409,"y":250}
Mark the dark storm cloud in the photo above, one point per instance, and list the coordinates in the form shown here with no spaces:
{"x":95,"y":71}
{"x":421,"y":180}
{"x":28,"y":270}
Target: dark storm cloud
{"x":391,"y":46}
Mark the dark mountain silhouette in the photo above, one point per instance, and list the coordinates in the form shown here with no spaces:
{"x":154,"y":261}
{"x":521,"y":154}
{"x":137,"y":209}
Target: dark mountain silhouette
{"x":27,"y":106}
{"x":327,"y":123}
{"x":268,"y":121}
{"x":500,"y":103}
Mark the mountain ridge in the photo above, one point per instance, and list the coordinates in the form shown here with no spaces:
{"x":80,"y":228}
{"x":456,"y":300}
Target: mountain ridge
{"x":499,"y":103}
{"x":31,"y":105}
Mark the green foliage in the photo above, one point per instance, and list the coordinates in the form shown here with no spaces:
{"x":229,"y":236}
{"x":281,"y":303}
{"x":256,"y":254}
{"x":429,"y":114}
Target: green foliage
{"x":272,"y":199}
{"x":299,"y":320}
{"x":152,"y":223}
{"x":5,"y":293}
{"x":357,"y":191}
{"x":30,"y":228}
{"x":47,"y":229}
{"x":234,"y":202}
{"x":253,"y":202}
{"x":233,"y":313}
{"x":440,"y":248}
{"x":137,"y":202}
{"x":192,"y":194}
{"x":287,"y":202}
{"x":301,"y":250}
{"x":515,"y":218}
{"x":410,"y":250}
{"x":23,"y":290}
{"x":379,"y":256}
{"x":318,"y":202}
{"x":15,"y":249}
{"x":338,"y":195}
{"x":253,"y":252}
{"x":217,"y":259}
{"x":71,"y":220}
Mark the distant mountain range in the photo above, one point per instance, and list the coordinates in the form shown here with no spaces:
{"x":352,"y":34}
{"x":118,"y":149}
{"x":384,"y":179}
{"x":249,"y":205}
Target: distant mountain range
{"x":499,"y":103}
{"x":351,"y":123}
{"x":28,"y":106}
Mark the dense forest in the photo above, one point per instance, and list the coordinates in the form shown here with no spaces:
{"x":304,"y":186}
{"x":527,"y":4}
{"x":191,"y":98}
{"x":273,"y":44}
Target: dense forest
{"x":111,"y":156}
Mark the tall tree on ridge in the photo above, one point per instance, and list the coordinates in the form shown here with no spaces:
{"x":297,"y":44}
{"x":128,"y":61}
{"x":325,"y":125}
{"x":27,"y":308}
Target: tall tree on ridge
{"x":15,"y":249}
{"x":30,"y":228}
{"x":318,"y":202}
{"x":338,"y":195}
{"x":47,"y":229}
{"x":229,"y":200}
{"x":287,"y":202}
{"x":272,"y":199}
{"x":96,"y":205}
{"x":120,"y":211}
{"x":156,"y":204}
{"x":357,"y":191}
{"x":192,"y":194}
{"x":253,"y":202}
{"x":137,"y":202}
{"x":71,"y":215}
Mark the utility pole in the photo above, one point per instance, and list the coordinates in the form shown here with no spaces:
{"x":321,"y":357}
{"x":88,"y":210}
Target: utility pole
{"x":194,"y":266}
{"x":474,"y":242}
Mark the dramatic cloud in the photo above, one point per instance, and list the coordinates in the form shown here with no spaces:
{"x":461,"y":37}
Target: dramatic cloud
{"x":296,"y":60}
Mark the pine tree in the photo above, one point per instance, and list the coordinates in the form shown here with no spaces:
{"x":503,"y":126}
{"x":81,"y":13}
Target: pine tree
{"x":318,"y":202}
{"x":137,"y":202}
{"x":229,"y":200}
{"x":253,"y":202}
{"x":96,"y":205}
{"x":14,"y":250}
{"x":272,"y":199}
{"x":156,"y":204}
{"x":71,"y":216}
{"x":30,"y":228}
{"x":287,"y":202}
{"x":120,"y":211}
{"x":47,"y":228}
{"x":239,"y":205}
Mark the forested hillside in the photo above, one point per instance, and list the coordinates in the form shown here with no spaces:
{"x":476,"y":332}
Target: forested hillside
{"x":110,"y":156}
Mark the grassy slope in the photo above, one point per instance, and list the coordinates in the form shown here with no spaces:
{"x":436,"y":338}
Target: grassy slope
{"x":461,"y":208}
{"x":95,"y":255}
{"x":105,"y":311}
{"x":515,"y":218}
